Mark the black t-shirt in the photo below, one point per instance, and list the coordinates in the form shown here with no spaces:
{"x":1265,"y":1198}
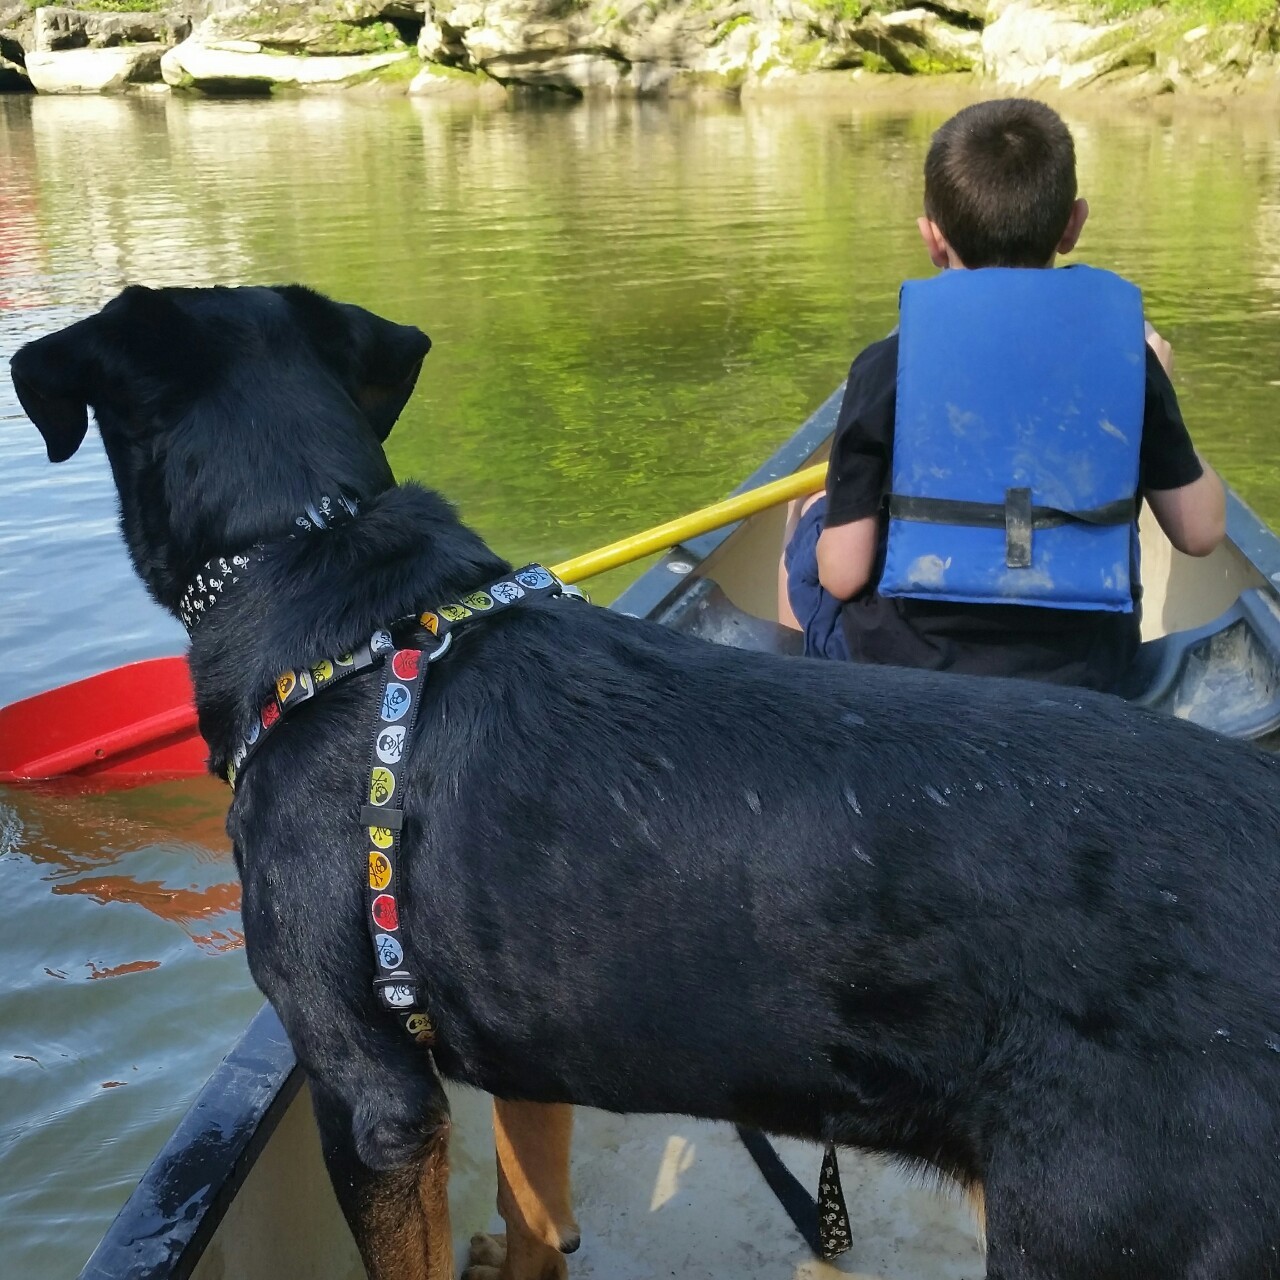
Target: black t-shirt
{"x":1062,"y":646}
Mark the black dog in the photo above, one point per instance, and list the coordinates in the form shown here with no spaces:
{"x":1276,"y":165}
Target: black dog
{"x":1023,"y":937}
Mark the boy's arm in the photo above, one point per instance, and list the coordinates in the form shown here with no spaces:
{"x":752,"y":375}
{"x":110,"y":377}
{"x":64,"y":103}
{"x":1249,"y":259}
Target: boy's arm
{"x":1185,"y":494}
{"x":860,"y":451}
{"x":1193,"y":517}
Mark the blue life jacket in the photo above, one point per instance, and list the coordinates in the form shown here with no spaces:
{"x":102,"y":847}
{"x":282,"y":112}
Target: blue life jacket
{"x":1018,"y":424}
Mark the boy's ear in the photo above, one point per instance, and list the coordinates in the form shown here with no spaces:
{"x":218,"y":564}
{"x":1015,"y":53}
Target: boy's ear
{"x":935,"y":242}
{"x":1075,"y":225}
{"x":53,"y":377}
{"x":376,"y":360}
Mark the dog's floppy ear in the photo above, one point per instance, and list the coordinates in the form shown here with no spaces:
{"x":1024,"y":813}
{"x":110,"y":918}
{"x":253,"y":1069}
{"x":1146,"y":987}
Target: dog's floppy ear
{"x":52,"y":377}
{"x":392,"y":356}
{"x":113,"y":358}
{"x":376,"y":360}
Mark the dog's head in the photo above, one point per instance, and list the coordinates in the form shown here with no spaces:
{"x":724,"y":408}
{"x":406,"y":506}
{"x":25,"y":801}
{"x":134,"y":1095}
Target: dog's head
{"x":223,"y":411}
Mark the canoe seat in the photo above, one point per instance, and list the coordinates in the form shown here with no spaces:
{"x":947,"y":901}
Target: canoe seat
{"x":706,"y":612}
{"x":1224,"y":675}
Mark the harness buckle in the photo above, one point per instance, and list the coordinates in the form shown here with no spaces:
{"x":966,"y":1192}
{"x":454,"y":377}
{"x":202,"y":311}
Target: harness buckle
{"x":398,"y":990}
{"x":442,"y":647}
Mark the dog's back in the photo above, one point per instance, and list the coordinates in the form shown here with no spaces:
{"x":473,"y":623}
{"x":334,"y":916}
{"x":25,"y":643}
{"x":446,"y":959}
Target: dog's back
{"x":1022,"y":935}
{"x":1019,"y":934}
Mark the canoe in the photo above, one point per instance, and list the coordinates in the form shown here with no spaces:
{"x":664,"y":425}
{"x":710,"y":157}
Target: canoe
{"x":240,"y":1191}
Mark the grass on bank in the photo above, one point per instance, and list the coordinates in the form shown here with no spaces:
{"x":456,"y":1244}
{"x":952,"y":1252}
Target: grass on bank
{"x":105,"y":6}
{"x":1200,"y":11}
{"x":1195,"y":11}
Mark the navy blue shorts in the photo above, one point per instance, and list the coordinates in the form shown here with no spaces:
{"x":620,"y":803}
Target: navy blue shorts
{"x":817,"y":611}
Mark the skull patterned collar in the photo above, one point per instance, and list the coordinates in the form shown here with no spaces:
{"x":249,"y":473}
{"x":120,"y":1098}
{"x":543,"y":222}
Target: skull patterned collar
{"x":404,"y":675}
{"x":217,"y":576}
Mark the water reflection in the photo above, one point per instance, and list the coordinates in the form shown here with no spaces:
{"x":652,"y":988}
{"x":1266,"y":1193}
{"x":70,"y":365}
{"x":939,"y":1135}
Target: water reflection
{"x":629,"y":300}
{"x":631,"y":304}
{"x":124,"y":980}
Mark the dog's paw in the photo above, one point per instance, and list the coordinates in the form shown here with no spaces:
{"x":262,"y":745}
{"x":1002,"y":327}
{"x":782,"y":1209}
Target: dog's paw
{"x":489,"y":1260}
{"x":486,"y":1257}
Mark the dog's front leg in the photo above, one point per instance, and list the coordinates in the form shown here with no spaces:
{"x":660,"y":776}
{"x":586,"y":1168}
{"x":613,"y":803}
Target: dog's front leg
{"x":534,"y":1200}
{"x":533,"y":1141}
{"x":398,"y":1212}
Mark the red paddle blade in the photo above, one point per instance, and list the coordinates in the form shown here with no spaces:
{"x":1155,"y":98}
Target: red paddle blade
{"x":136,"y":721}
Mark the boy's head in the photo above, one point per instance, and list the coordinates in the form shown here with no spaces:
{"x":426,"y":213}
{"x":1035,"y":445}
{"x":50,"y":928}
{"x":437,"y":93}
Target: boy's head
{"x":1000,"y":187}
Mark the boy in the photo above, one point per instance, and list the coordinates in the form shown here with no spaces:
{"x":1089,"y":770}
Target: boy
{"x":981,"y":501}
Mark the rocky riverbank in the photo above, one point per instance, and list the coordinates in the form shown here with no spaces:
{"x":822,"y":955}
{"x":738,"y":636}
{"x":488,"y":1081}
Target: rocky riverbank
{"x":629,"y":47}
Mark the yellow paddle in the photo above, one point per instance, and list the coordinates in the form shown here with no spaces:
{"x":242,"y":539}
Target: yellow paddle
{"x":810,"y":480}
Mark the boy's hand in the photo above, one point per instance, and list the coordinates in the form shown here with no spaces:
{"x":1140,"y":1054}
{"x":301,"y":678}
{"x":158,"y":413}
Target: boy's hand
{"x":1164,"y":352}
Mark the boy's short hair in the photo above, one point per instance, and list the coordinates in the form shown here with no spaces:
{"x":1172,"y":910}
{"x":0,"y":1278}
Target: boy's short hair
{"x":1000,"y":182}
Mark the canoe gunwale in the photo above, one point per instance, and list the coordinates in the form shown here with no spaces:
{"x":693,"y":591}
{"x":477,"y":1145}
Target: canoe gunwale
{"x":1254,"y":541}
{"x":182,"y":1197}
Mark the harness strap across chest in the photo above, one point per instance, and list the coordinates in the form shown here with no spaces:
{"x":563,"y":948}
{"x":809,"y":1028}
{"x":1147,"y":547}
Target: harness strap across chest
{"x":404,"y":677}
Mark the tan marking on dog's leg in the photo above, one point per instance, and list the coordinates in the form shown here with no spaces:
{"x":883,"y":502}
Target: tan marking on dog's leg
{"x":977,"y":1194}
{"x":533,"y":1141}
{"x":486,"y":1258}
{"x":433,"y":1194}
{"x":405,"y":1219}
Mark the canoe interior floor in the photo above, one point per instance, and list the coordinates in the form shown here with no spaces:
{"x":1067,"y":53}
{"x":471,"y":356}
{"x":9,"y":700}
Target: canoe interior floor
{"x":657,"y":1197}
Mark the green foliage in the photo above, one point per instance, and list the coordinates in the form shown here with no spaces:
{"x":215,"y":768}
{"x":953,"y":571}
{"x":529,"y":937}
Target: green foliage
{"x":878,"y":63}
{"x":1195,"y":11}
{"x":841,"y":10}
{"x":393,"y":74}
{"x":446,"y":72}
{"x":277,"y":30}
{"x":804,"y":55}
{"x":852,"y":10}
{"x":106,"y":6}
{"x":725,"y":31}
{"x":362,"y":37}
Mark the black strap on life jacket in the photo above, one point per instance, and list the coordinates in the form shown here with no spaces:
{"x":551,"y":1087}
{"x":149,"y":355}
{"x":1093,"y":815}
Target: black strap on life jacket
{"x":1017,"y":516}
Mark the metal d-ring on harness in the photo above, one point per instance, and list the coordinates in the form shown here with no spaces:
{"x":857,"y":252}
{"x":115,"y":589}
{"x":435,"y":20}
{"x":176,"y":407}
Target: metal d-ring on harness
{"x":404,"y":676}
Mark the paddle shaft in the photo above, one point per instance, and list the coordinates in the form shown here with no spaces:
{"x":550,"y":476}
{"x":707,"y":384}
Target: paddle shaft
{"x":741,"y":505}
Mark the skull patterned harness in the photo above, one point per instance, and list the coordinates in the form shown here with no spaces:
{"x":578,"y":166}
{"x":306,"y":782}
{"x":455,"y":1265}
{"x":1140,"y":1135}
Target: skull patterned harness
{"x":404,"y":677}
